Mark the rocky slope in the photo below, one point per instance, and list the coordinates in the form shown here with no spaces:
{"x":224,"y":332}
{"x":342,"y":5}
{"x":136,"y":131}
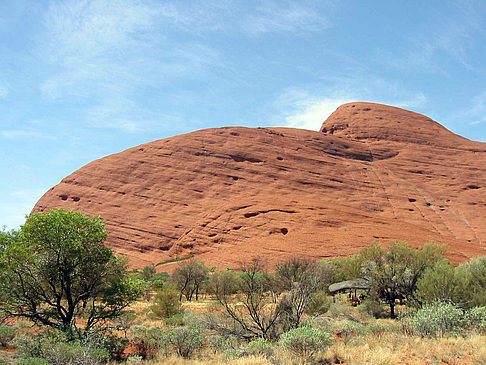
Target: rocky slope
{"x":373,"y":173}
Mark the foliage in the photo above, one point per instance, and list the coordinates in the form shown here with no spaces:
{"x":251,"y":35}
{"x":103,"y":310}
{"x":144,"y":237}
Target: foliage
{"x":252,"y":308}
{"x":302,"y":279}
{"x":440,"y":282}
{"x":54,"y":348}
{"x":259,"y":346}
{"x":347,"y":268}
{"x":190,"y":277}
{"x":7,"y":334}
{"x":373,"y":307}
{"x":349,"y":329}
{"x":473,"y":275}
{"x":393,"y":274}
{"x":319,"y":303}
{"x":438,"y":319}
{"x":305,"y":341}
{"x":476,"y":317}
{"x":184,"y":340}
{"x":32,"y":361}
{"x":166,"y":302}
{"x":56,"y":269}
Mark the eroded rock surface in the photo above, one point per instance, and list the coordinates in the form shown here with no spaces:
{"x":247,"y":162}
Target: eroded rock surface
{"x":373,"y":173}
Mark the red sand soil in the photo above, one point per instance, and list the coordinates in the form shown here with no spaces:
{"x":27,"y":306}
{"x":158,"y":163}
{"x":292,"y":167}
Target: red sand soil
{"x":226,"y":195}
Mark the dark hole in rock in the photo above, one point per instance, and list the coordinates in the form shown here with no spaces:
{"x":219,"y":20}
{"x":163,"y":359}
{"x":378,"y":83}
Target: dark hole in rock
{"x":253,"y":214}
{"x":164,"y":248}
{"x":140,"y":149}
{"x":284,"y":231}
{"x":411,"y":200}
{"x":236,"y":178}
{"x":211,"y":234}
{"x":234,"y":134}
{"x":366,"y":109}
{"x":280,"y":158}
{"x":237,"y":227}
{"x":411,"y":210}
{"x":429,"y":204}
{"x":76,"y":198}
{"x":472,"y":187}
{"x":63,"y":196}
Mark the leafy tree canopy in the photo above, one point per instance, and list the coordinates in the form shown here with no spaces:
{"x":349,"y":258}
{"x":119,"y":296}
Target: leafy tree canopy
{"x":56,"y":270}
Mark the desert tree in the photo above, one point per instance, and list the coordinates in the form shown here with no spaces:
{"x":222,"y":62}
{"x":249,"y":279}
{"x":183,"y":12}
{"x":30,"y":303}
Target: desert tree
{"x":190,"y":278}
{"x":56,"y":269}
{"x":393,"y":274}
{"x":246,"y":298}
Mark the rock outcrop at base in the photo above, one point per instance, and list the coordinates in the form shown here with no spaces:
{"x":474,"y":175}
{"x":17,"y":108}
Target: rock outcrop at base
{"x":225,"y":195}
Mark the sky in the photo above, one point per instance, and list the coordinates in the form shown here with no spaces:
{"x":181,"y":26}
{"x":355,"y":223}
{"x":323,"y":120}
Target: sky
{"x":82,"y":79}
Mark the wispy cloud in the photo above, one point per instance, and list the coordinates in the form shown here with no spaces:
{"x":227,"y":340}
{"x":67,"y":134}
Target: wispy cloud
{"x":15,"y":134}
{"x":458,"y":33}
{"x":476,"y":111}
{"x":285,"y":16}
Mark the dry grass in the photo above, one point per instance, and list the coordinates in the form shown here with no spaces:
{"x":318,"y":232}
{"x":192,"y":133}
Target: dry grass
{"x":396,"y":348}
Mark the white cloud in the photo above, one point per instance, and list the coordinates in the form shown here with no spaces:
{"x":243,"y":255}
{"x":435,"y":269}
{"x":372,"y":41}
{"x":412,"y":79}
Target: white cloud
{"x":302,"y":109}
{"x":14,"y":134}
{"x":311,"y":113}
{"x":285,"y":16}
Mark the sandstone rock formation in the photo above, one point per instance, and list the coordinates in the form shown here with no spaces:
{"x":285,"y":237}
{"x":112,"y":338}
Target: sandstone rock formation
{"x":373,"y":173}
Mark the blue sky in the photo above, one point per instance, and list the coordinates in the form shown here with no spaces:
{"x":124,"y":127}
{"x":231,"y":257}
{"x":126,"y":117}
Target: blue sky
{"x":83,"y":79}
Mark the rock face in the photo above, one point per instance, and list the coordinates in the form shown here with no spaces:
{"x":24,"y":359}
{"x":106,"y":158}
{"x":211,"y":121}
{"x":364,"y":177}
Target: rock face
{"x":226,"y":195}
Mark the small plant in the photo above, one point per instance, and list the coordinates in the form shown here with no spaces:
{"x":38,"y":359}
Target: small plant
{"x":350,"y":329}
{"x":166,"y":302}
{"x":305,"y":342}
{"x":438,"y":319}
{"x":259,"y":347}
{"x":7,"y":334}
{"x":319,"y":304}
{"x":185,"y":341}
{"x":476,"y":318}
{"x":31,"y":361}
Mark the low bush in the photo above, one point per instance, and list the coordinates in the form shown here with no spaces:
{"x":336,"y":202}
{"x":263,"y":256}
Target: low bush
{"x":259,"y":347}
{"x":185,"y":341}
{"x":7,"y":334}
{"x":305,"y":342}
{"x":319,"y":304}
{"x":349,"y":329}
{"x":32,"y":361}
{"x":166,"y":302}
{"x":476,"y":318}
{"x":53,"y":348}
{"x":438,"y":319}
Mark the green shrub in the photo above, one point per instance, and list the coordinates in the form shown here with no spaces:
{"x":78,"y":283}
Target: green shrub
{"x":32,"y":361}
{"x":476,"y":318}
{"x":176,"y":320}
{"x":319,"y":304}
{"x":259,"y":347}
{"x":185,"y":341}
{"x":349,"y":329}
{"x":438,"y":319}
{"x":52,"y":347}
{"x":7,"y":334}
{"x":231,"y":354}
{"x":166,"y":302}
{"x":373,"y":307}
{"x":305,"y":341}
